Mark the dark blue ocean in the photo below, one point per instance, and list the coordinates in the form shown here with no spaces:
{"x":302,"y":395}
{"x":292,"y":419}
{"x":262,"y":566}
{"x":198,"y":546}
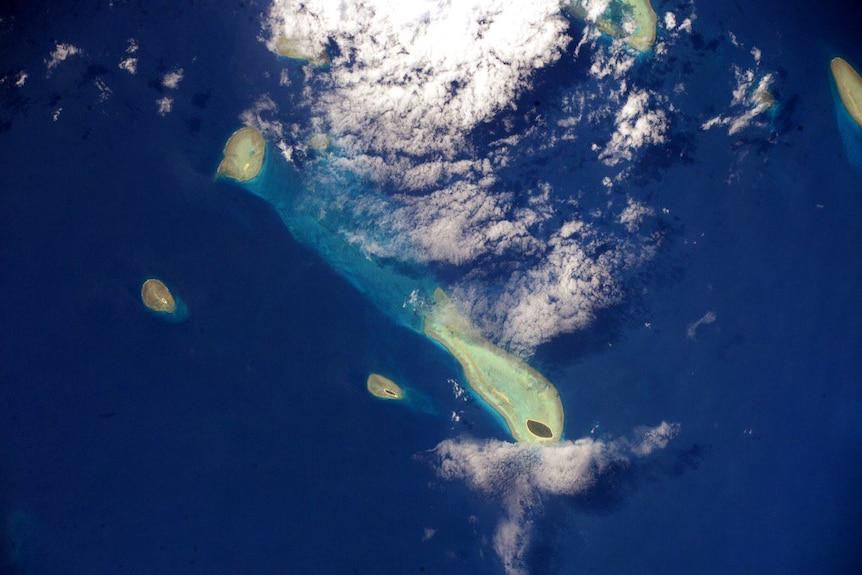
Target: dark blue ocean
{"x":244,"y":441}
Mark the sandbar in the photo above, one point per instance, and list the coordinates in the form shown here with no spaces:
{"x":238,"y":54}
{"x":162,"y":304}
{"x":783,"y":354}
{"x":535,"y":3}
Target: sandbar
{"x":632,"y":21}
{"x":849,"y":87}
{"x":384,"y":388}
{"x":528,"y":403}
{"x":243,"y":155}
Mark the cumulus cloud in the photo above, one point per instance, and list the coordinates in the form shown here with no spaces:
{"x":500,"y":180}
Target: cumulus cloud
{"x":172,"y":79}
{"x":165,"y":105}
{"x":60,"y":53}
{"x":130,"y":63}
{"x":751,"y":98}
{"x":406,"y":86}
{"x":636,"y":125}
{"x":521,"y":475}
{"x":555,"y":275}
{"x":413,"y":78}
{"x":634,"y":213}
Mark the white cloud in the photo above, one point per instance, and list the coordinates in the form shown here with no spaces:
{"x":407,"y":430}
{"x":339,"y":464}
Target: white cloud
{"x":634,"y":213}
{"x":130,"y":63}
{"x":636,"y":125}
{"x":21,"y":78}
{"x":172,"y":79}
{"x":751,"y":98}
{"x":165,"y":105}
{"x":669,"y":20}
{"x":520,"y":475}
{"x":408,"y":83}
{"x":60,"y":53}
{"x":707,"y":318}
{"x":414,"y":78}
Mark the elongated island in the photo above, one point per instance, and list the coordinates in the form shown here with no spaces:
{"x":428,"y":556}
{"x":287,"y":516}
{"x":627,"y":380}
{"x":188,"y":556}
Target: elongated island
{"x":529,"y":403}
{"x":849,"y":85}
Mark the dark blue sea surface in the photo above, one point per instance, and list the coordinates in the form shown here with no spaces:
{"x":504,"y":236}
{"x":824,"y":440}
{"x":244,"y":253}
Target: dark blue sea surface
{"x":244,"y":441}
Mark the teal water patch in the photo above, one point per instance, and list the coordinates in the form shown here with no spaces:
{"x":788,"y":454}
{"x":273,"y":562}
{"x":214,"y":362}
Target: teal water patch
{"x":179,"y":315}
{"x":417,"y":401}
{"x":23,"y":544}
{"x":414,"y":400}
{"x":396,"y":288}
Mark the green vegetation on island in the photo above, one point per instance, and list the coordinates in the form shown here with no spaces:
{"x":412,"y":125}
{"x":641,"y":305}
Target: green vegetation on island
{"x":849,"y":87}
{"x":243,"y":155}
{"x":529,"y":403}
{"x":632,"y":21}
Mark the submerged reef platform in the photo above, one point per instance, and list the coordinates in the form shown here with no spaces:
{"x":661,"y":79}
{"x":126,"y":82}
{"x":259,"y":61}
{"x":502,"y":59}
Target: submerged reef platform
{"x":529,"y":403}
{"x":243,"y":155}
{"x":849,"y":85}
{"x":632,"y":21}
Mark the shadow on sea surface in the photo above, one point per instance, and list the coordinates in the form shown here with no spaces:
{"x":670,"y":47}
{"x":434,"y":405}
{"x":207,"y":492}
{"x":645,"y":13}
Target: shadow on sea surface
{"x":614,"y":489}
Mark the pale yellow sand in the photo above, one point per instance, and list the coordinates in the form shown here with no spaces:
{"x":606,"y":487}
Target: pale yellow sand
{"x":527,"y":401}
{"x":157,"y":297}
{"x":849,"y":87}
{"x":383,"y":387}
{"x":243,"y":155}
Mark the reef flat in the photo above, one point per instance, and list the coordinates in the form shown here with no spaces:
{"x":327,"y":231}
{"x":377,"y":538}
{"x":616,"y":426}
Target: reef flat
{"x":529,"y":403}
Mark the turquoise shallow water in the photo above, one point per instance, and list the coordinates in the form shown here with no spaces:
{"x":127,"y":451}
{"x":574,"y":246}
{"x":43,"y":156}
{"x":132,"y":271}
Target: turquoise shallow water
{"x":243,"y":440}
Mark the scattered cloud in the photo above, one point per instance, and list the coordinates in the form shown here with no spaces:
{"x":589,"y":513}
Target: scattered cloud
{"x":521,"y":475}
{"x":104,"y":91}
{"x":172,"y":79}
{"x":691,"y":331}
{"x":751,"y":96}
{"x":414,"y":92}
{"x":636,"y":125}
{"x":60,"y":54}
{"x":405,"y":88}
{"x":165,"y":105}
{"x":634,"y":213}
{"x":130,"y":63}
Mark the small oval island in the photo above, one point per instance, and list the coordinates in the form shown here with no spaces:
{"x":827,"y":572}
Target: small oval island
{"x":244,"y":153}
{"x":158,"y":299}
{"x":384,"y":388}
